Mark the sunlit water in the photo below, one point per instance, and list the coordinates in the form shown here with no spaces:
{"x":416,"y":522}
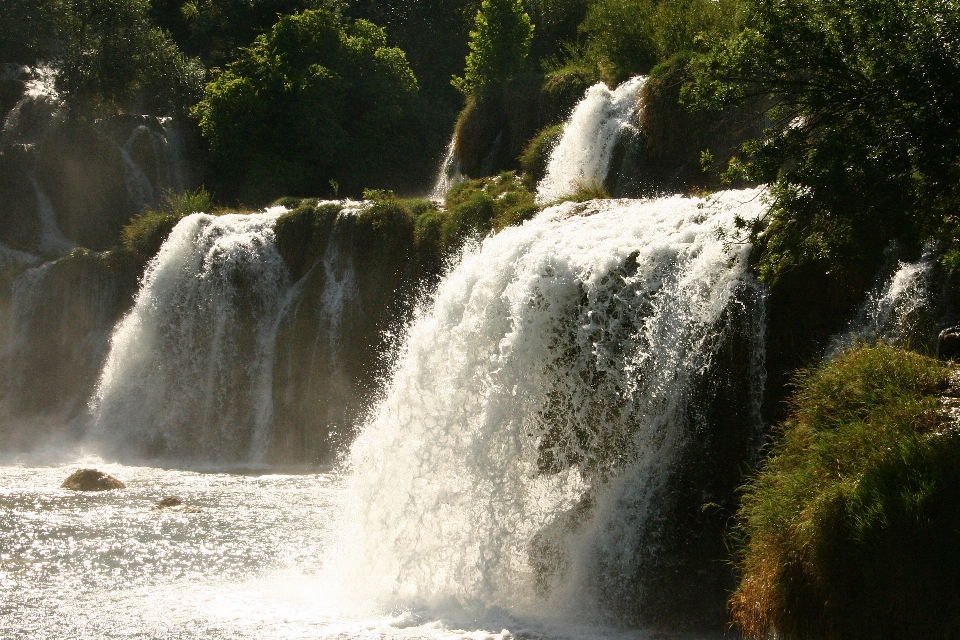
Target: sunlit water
{"x":244,"y":561}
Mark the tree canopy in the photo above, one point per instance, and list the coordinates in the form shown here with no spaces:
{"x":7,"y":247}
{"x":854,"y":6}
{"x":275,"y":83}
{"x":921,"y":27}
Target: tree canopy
{"x":863,"y":146}
{"x":312,"y":101}
{"x":499,"y":45}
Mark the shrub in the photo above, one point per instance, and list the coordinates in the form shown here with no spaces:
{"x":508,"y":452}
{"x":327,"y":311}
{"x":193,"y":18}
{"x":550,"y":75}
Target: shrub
{"x":146,"y":233}
{"x":852,"y":528}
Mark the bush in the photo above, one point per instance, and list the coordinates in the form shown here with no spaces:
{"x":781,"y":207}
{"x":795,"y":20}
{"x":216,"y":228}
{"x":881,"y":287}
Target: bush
{"x":315,"y":101}
{"x":864,"y":145}
{"x":146,"y":233}
{"x":852,"y":528}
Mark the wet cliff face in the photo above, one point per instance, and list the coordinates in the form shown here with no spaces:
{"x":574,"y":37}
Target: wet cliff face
{"x":354,"y":274}
{"x":56,"y":320}
{"x":95,"y":174}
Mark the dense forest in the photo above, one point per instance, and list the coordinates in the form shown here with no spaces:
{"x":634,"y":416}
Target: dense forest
{"x":849,"y":112}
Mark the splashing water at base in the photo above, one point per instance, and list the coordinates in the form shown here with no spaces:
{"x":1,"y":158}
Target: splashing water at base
{"x":582,"y":156}
{"x":537,"y":405}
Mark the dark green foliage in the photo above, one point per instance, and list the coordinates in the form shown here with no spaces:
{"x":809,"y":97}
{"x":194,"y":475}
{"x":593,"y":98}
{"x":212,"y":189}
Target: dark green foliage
{"x":213,"y":30}
{"x":27,"y":30}
{"x":852,"y":528}
{"x":313,"y":100}
{"x":499,"y":46}
{"x":115,"y":55}
{"x":865,"y":141}
{"x":629,"y":37}
{"x":146,"y":233}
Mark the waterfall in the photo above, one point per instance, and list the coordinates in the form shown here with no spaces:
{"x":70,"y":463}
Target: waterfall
{"x":897,"y":310}
{"x":189,"y":374}
{"x":537,"y":407}
{"x":450,"y":173}
{"x":10,"y":257}
{"x":52,"y":240}
{"x":166,"y":157}
{"x":582,"y":156}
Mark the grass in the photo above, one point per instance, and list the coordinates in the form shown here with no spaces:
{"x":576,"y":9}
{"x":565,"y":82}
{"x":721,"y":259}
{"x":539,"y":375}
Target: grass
{"x":852,"y":528}
{"x":145,"y":234}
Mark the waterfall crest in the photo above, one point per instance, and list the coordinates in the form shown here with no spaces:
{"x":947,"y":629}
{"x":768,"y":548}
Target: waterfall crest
{"x":189,"y":375}
{"x":583,"y":154}
{"x":539,"y":402}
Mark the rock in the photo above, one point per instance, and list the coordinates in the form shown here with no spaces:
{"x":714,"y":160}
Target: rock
{"x":948,"y":344}
{"x":91,"y":480}
{"x":173,"y":503}
{"x":169,"y":501}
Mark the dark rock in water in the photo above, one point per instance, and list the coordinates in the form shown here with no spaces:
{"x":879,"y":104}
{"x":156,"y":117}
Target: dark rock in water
{"x":91,"y":480}
{"x":169,"y":501}
{"x":948,"y":344}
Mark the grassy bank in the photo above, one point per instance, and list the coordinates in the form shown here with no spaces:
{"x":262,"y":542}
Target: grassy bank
{"x":852,"y":528}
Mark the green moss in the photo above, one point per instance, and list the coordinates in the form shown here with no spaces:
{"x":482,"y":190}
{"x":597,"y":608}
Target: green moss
{"x":852,"y":528}
{"x":536,"y":155}
{"x":489,"y":204}
{"x":146,"y":233}
{"x":302,"y":233}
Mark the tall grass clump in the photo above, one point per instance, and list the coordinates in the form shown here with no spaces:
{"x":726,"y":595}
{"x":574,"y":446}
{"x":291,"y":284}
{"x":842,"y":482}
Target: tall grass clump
{"x":852,"y":527}
{"x":145,"y":234}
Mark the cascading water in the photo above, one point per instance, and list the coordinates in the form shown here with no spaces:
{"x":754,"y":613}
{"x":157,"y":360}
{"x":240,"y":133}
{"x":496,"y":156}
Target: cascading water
{"x":450,"y":173}
{"x":52,"y":240}
{"x":537,"y":407}
{"x":165,"y":157}
{"x":189,"y":374}
{"x":582,"y":156}
{"x":896,"y":310}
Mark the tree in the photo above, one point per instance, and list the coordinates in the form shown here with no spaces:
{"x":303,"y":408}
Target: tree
{"x":115,"y":54}
{"x":313,"y":100}
{"x":498,"y":47}
{"x":864,"y":147}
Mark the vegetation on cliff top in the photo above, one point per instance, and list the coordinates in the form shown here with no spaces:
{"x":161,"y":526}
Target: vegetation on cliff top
{"x":852,"y":528}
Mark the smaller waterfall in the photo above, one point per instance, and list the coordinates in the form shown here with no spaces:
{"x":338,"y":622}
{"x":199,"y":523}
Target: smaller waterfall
{"x":190,"y":370}
{"x":52,"y":240}
{"x":10,"y":257}
{"x":897,"y":308}
{"x":583,"y":154}
{"x":165,"y":156}
{"x":450,"y":173}
{"x":339,"y":291}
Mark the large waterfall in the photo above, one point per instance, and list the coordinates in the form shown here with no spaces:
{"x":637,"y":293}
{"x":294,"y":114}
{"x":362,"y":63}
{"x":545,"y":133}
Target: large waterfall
{"x":538,"y":406}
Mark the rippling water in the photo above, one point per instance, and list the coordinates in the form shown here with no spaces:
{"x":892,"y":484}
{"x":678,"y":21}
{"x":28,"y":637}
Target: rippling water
{"x":243,"y":562}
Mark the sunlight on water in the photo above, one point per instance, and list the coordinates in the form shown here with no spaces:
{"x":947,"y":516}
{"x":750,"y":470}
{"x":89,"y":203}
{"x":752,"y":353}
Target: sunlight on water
{"x":244,"y":561}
